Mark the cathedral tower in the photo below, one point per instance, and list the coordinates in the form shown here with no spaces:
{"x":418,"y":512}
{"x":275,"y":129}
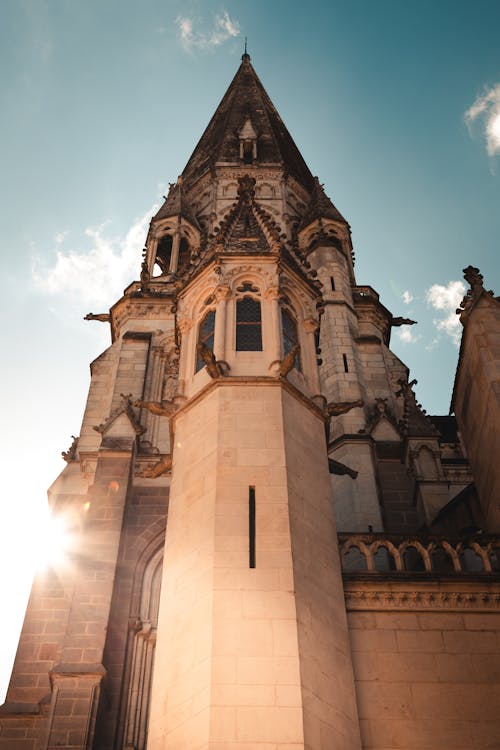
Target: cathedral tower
{"x":250,"y":396}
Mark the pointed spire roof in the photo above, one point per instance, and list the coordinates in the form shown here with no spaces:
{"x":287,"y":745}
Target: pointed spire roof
{"x":176,"y":204}
{"x":246,"y":99}
{"x":320,"y":206}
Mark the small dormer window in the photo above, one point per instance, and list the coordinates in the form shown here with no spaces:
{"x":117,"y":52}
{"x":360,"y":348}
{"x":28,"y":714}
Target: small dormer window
{"x":248,"y":152}
{"x":248,"y":142}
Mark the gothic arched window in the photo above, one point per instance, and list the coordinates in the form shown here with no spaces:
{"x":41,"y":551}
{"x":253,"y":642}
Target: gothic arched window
{"x":206,"y":336}
{"x":290,"y":335}
{"x":248,"y":325}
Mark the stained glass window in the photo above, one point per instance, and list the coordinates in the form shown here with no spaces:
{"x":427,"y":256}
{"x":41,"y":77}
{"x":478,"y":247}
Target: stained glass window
{"x":206,"y":336}
{"x":248,"y":325}
{"x":290,"y":335}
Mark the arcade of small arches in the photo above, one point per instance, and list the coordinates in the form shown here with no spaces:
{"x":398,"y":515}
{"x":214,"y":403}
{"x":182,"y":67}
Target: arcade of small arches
{"x":372,"y":554}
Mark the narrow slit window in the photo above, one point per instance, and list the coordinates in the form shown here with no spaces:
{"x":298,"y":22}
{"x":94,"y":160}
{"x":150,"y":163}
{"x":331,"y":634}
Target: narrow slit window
{"x":346,"y":368}
{"x":332,"y":283}
{"x":251,"y":527}
{"x":290,"y":336}
{"x":206,"y":336}
{"x":248,"y":325}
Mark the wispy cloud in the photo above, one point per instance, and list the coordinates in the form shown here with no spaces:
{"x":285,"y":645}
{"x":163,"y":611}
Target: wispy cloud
{"x":191,"y":38}
{"x":407,"y":336}
{"x":446,"y":299}
{"x":487,"y":108}
{"x":96,"y":275}
{"x":407,"y":297}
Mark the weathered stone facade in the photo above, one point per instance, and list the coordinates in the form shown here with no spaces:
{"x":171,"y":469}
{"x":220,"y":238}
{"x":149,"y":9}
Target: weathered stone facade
{"x":251,"y":395}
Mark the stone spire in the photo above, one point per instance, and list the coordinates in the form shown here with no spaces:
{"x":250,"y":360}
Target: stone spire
{"x":244,"y":107}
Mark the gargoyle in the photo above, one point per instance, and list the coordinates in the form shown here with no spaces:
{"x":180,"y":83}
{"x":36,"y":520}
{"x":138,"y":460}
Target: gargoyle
{"x":160,"y":408}
{"x":288,"y":361}
{"x":161,"y":467}
{"x":342,"y":407}
{"x":403,"y":322}
{"x":336,"y":467}
{"x":103,"y":317}
{"x":207,"y":355}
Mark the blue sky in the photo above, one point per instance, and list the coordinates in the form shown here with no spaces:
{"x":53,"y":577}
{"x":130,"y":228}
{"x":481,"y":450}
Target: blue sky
{"x":393,"y":105}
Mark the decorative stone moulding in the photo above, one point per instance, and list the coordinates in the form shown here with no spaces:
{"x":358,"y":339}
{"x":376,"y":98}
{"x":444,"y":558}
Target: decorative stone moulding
{"x":423,"y":599}
{"x":430,"y":556}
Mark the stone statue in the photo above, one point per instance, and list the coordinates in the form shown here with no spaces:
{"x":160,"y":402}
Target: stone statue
{"x":207,"y":355}
{"x":103,"y":317}
{"x":145,"y":276}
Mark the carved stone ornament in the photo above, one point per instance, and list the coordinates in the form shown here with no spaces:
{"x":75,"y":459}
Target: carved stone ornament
{"x":366,"y":599}
{"x":163,"y":466}
{"x":70,"y":454}
{"x":475,"y":279}
{"x":213,"y":367}
{"x":160,"y":408}
{"x":403,"y":322}
{"x":288,"y":362}
{"x":102,"y":317}
{"x":124,"y":408}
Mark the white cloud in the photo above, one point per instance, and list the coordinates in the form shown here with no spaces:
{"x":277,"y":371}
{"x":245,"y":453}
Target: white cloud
{"x":224,"y":28}
{"x":407,"y":297}
{"x":407,"y":336}
{"x":447,"y":299}
{"x":95,"y":276}
{"x":487,"y":107}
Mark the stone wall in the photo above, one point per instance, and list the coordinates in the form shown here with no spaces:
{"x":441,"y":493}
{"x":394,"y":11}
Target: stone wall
{"x":426,"y":677}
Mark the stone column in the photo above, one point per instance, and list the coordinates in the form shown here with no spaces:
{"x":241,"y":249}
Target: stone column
{"x":222,"y":294}
{"x":174,"y":257}
{"x":272,"y":295}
